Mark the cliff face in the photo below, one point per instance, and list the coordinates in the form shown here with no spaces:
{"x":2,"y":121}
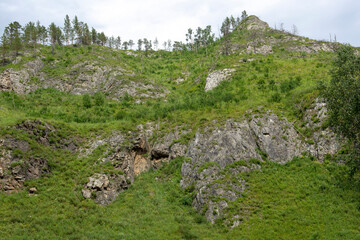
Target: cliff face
{"x":217,"y":156}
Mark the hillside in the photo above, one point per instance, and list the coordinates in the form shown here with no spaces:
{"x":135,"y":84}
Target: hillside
{"x":230,"y":141}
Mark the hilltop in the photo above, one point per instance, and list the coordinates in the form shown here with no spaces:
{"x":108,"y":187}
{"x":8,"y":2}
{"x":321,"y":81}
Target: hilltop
{"x":227,"y":139}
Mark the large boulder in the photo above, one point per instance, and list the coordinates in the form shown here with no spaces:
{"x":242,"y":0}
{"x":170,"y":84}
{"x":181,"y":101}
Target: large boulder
{"x":216,"y":77}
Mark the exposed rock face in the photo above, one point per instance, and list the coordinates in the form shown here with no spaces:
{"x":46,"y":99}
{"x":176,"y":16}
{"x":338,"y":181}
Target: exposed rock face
{"x":20,"y":81}
{"x":233,"y":148}
{"x":133,"y":155}
{"x":254,"y":23}
{"x":18,"y":164}
{"x":84,"y":77}
{"x":265,"y":49}
{"x":104,"y":189}
{"x":312,"y":47}
{"x":216,"y":77}
{"x":324,"y":140}
{"x":45,"y":134}
{"x":14,"y":171}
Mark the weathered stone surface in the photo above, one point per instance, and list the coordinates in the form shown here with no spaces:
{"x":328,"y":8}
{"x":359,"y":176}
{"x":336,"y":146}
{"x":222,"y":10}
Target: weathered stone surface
{"x":104,"y":189}
{"x":44,"y":132}
{"x":216,"y":77}
{"x":254,"y":23}
{"x":13,"y":169}
{"x":325,"y":141}
{"x":265,"y":49}
{"x":32,"y":190}
{"x":234,"y":146}
{"x":312,"y":47}
{"x":277,"y":138}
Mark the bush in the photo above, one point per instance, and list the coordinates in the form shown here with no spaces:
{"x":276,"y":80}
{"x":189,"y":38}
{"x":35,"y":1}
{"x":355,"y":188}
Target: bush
{"x":86,"y":101}
{"x":99,"y":99}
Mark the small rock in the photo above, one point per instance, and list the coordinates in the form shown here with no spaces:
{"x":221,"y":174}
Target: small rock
{"x":86,"y":193}
{"x":33,"y":190}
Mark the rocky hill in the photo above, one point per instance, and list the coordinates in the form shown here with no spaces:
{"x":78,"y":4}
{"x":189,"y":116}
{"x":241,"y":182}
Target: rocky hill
{"x":182,"y":137}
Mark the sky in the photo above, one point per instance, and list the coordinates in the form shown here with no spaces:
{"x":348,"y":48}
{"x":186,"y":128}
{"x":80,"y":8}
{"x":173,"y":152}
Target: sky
{"x":170,"y":19}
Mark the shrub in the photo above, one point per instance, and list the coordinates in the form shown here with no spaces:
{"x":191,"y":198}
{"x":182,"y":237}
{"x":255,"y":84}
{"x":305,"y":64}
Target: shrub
{"x":86,"y":101}
{"x":99,"y":99}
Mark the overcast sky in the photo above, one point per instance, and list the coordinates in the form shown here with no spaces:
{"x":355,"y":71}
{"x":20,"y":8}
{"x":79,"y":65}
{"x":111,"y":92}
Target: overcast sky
{"x":170,"y":19}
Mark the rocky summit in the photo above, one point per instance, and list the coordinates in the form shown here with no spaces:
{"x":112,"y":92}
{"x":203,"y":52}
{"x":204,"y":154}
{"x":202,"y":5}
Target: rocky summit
{"x":221,"y":137}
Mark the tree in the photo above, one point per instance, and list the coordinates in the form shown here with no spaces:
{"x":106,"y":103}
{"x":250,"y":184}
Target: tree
{"x":169,"y":45}
{"x":86,"y":34}
{"x":4,"y":46}
{"x":131,"y":43}
{"x":102,"y":38}
{"x":189,"y":39}
{"x":156,"y":43}
{"x":147,"y":46}
{"x":139,"y":43}
{"x":55,"y":36}
{"x":225,"y":32}
{"x":111,"y":42}
{"x":14,"y":31}
{"x":117,"y":42}
{"x":165,"y":44}
{"x":93,"y":36}
{"x":342,"y":96}
{"x":243,"y":15}
{"x":43,"y":34}
{"x":125,"y":45}
{"x":294,"y":29}
{"x":67,"y":29}
{"x":77,"y":30}
{"x":31,"y":34}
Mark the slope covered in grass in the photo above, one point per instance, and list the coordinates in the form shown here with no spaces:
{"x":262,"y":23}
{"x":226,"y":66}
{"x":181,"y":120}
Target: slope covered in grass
{"x":300,"y":200}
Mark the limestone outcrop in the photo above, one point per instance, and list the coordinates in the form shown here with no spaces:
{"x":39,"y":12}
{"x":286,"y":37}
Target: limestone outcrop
{"x":216,"y":77}
{"x":219,"y":154}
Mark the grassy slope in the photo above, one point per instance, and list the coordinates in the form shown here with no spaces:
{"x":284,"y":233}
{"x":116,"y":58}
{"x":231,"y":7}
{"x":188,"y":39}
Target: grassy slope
{"x":300,"y":200}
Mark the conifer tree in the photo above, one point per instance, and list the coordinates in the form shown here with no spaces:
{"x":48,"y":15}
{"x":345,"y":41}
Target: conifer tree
{"x":139,"y":43}
{"x":93,"y":36}
{"x":67,"y":29}
{"x":14,"y":31}
{"x":131,"y":43}
{"x":4,"y":46}
{"x":156,"y":43}
{"x":225,"y":32}
{"x":118,"y":42}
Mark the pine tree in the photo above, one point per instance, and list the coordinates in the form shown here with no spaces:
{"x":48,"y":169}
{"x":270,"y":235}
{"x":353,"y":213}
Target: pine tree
{"x":156,"y":43}
{"x":139,"y":43}
{"x":42,"y":31}
{"x":243,"y":15}
{"x":225,"y":32}
{"x":131,"y":43}
{"x":125,"y":45}
{"x":93,"y":36}
{"x":67,"y":29}
{"x":14,"y":30}
{"x":55,"y":36}
{"x":118,"y":42}
{"x":86,"y":37}
{"x":4,"y":46}
{"x":77,"y":30}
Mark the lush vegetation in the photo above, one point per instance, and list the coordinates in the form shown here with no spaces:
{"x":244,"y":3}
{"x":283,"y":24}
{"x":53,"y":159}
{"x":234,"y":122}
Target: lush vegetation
{"x":302,"y":199}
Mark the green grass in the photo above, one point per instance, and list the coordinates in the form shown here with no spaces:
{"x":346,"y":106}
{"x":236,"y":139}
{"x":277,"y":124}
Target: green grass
{"x":300,"y":200}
